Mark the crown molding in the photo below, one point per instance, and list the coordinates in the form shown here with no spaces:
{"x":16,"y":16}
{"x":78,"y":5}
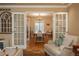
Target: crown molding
{"x":68,"y":5}
{"x":34,"y":6}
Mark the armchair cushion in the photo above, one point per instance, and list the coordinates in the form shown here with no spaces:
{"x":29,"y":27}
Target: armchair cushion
{"x":52,"y":49}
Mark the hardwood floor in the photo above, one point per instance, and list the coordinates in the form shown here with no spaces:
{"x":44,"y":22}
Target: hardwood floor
{"x":35,"y":48}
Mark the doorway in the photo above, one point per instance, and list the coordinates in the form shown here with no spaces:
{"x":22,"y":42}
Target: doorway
{"x":39,"y":23}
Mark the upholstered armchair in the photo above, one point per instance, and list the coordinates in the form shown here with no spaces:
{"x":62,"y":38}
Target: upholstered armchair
{"x":66,"y":49}
{"x":11,"y":51}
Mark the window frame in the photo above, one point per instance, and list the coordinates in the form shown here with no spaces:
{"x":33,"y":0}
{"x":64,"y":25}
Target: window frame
{"x":7,"y":25}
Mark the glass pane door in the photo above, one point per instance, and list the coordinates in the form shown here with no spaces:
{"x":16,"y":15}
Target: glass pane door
{"x":60,"y":24}
{"x":19,"y":30}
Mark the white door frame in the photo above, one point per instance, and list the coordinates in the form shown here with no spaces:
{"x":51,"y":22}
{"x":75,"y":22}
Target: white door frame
{"x":27,"y":12}
{"x":25,"y":21}
{"x":53,"y":19}
{"x":54,"y":23}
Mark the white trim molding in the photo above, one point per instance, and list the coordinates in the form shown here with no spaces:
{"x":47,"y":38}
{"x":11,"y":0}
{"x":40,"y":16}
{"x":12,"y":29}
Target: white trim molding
{"x":34,"y":6}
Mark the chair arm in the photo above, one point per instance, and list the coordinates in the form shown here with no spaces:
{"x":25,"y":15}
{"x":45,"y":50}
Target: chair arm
{"x":68,"y":47}
{"x":19,"y":52}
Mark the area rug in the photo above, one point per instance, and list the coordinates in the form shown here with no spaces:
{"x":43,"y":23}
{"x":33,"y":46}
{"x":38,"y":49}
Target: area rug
{"x":34,"y":53}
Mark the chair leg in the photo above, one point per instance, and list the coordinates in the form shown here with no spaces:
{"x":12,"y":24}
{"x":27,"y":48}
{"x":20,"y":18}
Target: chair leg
{"x":46,"y":54}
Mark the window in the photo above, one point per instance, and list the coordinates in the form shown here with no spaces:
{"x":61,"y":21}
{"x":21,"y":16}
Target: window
{"x":39,"y":26}
{"x":5,"y":22}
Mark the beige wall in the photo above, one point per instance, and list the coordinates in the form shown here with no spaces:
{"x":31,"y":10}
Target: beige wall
{"x":74,"y":19}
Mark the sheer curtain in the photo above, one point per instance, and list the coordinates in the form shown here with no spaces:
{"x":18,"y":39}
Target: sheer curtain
{"x":39,"y":26}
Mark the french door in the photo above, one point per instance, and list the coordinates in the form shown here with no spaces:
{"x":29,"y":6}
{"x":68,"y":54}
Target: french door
{"x":60,"y":24}
{"x":18,"y":30}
